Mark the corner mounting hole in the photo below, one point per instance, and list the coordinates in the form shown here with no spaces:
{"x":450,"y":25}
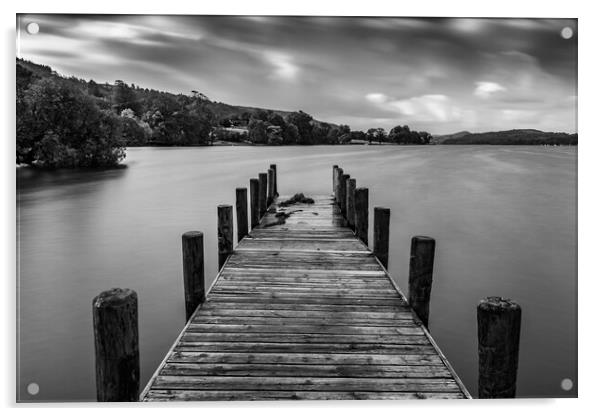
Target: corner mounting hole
{"x":566,"y":33}
{"x":33,"y":388}
{"x":566,"y":384}
{"x":32,"y":28}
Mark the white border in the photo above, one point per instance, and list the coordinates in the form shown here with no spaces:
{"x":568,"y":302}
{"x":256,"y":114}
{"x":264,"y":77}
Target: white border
{"x":590,"y":210}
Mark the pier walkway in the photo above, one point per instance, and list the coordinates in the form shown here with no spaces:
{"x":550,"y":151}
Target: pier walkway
{"x":303,"y":310}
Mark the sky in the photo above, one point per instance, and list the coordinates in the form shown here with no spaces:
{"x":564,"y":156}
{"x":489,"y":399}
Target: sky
{"x":442,"y":75}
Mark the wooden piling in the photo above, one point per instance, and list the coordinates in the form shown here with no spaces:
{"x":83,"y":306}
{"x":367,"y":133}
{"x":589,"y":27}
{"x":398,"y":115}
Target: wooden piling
{"x":422,"y":256}
{"x":224,"y":233}
{"x":337,"y":184}
{"x":254,"y":189}
{"x":498,"y":322}
{"x":271,"y":178}
{"x":361,"y":214}
{"x":193,"y":260}
{"x":350,"y":205}
{"x":242,"y":216}
{"x":275,"y":180}
{"x":115,"y":320}
{"x":263,"y":194}
{"x":334,"y":178}
{"x":344,"y":179}
{"x":381,"y":234}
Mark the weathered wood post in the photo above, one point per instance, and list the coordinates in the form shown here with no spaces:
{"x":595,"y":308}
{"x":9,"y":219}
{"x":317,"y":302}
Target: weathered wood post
{"x":275,"y":180}
{"x":263,"y":194}
{"x":334,"y":178}
{"x":224,"y":233}
{"x":337,"y":184}
{"x":340,"y":189}
{"x":344,"y":179}
{"x":242,"y":216}
{"x":381,"y":234}
{"x":498,"y":321}
{"x":361,"y":214}
{"x":271,"y":178}
{"x":350,"y":203}
{"x":422,"y":256}
{"x":115,"y":320}
{"x":254,"y":189}
{"x":193,"y":260}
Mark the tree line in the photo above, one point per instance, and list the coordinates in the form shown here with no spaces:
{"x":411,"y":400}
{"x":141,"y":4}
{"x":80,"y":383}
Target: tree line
{"x":71,"y":122}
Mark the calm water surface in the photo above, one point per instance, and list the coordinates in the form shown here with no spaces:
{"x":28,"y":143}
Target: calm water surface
{"x":504,"y":219}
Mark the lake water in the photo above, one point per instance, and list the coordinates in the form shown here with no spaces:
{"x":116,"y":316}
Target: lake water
{"x":504,"y":218}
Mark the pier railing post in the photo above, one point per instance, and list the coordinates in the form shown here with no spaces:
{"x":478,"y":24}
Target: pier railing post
{"x":263,"y":194}
{"x":271,"y":178}
{"x":382,"y":218}
{"x":361,"y":214}
{"x":254,"y":189}
{"x":498,"y":322}
{"x":344,"y":179}
{"x":242,"y":216}
{"x":273,"y":167}
{"x":422,"y":257}
{"x":334,"y":178}
{"x":350,"y":205}
{"x":193,"y":261}
{"x":224,"y":233}
{"x":337,"y":185}
{"x":115,"y":320}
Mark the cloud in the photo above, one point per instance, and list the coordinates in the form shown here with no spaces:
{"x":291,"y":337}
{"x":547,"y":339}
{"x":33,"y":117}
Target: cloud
{"x":377,"y":98}
{"x":485,"y":89}
{"x":425,"y":108}
{"x":283,"y":67}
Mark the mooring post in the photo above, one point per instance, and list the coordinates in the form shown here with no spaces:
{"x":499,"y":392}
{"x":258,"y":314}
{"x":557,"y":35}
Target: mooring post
{"x":382,"y":218}
{"x":271,"y":178}
{"x":275,"y":180}
{"x":242,"y":217}
{"x":193,"y":260}
{"x":498,"y":322}
{"x":340,"y":186}
{"x":337,"y":184}
{"x":422,"y":256}
{"x":263,"y":194}
{"x":224,"y":233}
{"x":344,"y":179}
{"x":361,"y":214}
{"x":334,"y":178}
{"x":254,"y":189}
{"x":350,"y":205}
{"x":115,"y":320}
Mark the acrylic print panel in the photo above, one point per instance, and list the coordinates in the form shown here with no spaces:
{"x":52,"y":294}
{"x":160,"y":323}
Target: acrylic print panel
{"x":263,"y":208}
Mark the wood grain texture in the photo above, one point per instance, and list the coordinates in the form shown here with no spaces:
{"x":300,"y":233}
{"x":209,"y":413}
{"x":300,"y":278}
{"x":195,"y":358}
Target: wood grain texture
{"x":302,"y":310}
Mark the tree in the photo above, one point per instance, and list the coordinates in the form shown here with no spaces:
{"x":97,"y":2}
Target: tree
{"x":124,"y":97}
{"x":65,"y":128}
{"x":303,"y":123}
{"x":290,"y":134}
{"x":258,"y":131}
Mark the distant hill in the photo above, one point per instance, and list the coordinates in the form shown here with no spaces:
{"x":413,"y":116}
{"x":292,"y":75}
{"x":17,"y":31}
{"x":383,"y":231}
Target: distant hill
{"x":440,"y":138}
{"x":509,"y":137}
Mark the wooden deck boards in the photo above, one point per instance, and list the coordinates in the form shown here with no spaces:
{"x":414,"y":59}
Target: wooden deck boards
{"x":303,"y":310}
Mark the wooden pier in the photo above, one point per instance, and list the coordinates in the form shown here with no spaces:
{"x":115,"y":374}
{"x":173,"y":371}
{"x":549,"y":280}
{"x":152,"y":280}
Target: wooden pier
{"x":302,"y":309}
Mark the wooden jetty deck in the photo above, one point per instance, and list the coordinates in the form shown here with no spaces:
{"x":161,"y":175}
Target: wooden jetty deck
{"x":303,"y":310}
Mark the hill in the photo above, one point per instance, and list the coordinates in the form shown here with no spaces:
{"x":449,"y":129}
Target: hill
{"x":510,"y":137}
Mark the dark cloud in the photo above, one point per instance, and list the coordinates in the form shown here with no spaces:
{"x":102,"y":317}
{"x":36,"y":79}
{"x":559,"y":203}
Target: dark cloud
{"x":436,"y":74}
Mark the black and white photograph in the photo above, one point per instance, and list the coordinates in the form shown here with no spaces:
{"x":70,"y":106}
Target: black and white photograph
{"x":295,"y":207}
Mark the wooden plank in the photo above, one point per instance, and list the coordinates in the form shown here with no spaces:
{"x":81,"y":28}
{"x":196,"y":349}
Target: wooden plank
{"x":251,"y":395}
{"x":304,"y":383}
{"x":191,"y":337}
{"x":303,"y":347}
{"x":306,"y":329}
{"x":350,"y":358}
{"x":296,"y":370}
